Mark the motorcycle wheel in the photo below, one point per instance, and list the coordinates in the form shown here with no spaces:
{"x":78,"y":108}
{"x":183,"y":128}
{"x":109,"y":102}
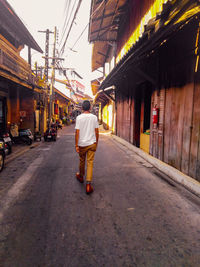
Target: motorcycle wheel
{"x":9,"y":149}
{"x":27,"y":140}
{"x":1,"y":162}
{"x":30,"y":141}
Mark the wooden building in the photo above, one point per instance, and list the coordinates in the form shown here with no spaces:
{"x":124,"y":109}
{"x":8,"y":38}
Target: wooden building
{"x":155,"y":44}
{"x":18,"y":87}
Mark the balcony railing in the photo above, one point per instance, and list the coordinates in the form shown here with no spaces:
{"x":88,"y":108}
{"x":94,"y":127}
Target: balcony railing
{"x":11,"y":61}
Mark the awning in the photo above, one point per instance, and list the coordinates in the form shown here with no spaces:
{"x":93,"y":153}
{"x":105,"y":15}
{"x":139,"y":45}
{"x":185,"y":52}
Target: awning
{"x":95,"y":85}
{"x":99,"y":54}
{"x":152,"y":39}
{"x":63,"y":95}
{"x":104,"y":96}
{"x":11,"y":23}
{"x":105,"y":19}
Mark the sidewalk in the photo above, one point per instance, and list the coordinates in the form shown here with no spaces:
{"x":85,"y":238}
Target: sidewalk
{"x":179,"y":177}
{"x":18,"y":150}
{"x":188,"y":182}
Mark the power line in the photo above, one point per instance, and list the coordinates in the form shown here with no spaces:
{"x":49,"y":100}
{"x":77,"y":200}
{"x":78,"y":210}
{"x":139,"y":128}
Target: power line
{"x":67,"y":10}
{"x":66,"y":24}
{"x":78,"y":6}
{"x":89,"y":22}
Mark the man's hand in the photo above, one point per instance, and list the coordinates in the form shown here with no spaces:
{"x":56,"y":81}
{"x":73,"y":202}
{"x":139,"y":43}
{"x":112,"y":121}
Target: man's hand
{"x":77,"y":149}
{"x":96,"y":143}
{"x":76,"y":140}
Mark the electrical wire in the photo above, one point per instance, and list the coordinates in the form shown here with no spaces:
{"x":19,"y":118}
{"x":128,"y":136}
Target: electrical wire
{"x":66,"y":4}
{"x":66,"y":14}
{"x":91,"y":16}
{"x":67,"y":20}
{"x":77,"y":9}
{"x":94,"y":12}
{"x":60,"y":67}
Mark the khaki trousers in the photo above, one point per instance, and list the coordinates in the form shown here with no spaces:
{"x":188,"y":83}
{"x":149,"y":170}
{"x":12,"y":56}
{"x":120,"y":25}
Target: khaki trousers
{"x":88,"y":151}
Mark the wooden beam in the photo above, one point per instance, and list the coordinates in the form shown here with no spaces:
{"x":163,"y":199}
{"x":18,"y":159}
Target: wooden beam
{"x":110,"y":30}
{"x":102,"y":54}
{"x":29,"y":55}
{"x":98,"y":63}
{"x":108,"y":96}
{"x":101,"y":29}
{"x":112,"y":24}
{"x":145,"y":75}
{"x":105,"y":16}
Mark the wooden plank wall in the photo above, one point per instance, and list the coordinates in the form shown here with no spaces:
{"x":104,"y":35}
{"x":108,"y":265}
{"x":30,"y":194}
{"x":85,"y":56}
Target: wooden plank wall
{"x":125,"y":116}
{"x":194,"y":161}
{"x":176,"y":139}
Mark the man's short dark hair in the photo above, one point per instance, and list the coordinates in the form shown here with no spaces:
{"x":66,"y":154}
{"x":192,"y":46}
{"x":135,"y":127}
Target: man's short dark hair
{"x":86,"y":105}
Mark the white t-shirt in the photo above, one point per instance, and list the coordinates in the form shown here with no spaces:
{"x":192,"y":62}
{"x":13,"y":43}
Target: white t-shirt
{"x":86,"y":123}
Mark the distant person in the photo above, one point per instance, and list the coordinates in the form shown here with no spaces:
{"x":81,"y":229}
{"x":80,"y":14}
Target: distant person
{"x":86,"y":141}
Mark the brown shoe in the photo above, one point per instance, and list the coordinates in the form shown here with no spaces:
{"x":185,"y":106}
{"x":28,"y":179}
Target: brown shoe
{"x":89,"y":189}
{"x":79,"y":178}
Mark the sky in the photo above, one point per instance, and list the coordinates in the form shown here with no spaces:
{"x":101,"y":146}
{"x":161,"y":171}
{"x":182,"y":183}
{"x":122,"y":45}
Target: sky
{"x":46,"y":14}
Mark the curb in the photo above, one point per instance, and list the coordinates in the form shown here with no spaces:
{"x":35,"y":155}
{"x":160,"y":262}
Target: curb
{"x":179,"y":177}
{"x":19,"y":153}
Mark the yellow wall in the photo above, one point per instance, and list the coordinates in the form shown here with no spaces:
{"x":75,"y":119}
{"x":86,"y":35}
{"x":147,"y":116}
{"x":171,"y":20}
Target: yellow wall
{"x":108,"y":115}
{"x":144,"y":142}
{"x":45,"y":119}
{"x":105,"y":115}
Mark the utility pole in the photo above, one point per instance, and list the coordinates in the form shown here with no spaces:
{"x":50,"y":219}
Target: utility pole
{"x":51,"y":96}
{"x":46,"y":53}
{"x":53,"y":67}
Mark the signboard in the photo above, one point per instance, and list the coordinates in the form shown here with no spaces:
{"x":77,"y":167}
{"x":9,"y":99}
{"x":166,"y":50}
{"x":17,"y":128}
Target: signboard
{"x":22,"y":114}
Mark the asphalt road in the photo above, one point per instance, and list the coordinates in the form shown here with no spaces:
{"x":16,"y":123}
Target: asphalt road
{"x":136,"y":216}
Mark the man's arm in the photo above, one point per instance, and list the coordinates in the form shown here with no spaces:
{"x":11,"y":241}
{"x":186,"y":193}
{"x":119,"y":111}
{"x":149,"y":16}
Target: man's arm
{"x":76,"y":140}
{"x":97,"y":135}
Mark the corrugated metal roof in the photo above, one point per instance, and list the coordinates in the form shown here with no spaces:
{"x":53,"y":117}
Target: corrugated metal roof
{"x":104,"y":19}
{"x":104,"y":22}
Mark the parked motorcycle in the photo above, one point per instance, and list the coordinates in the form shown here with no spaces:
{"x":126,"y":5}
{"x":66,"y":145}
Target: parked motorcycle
{"x":59,"y":125}
{"x":50,"y":134}
{"x":21,"y":136}
{"x":6,"y":138}
{"x":2,"y":154}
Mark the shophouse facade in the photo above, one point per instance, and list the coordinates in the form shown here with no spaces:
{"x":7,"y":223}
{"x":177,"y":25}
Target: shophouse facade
{"x":19,"y":89}
{"x":155,"y":75}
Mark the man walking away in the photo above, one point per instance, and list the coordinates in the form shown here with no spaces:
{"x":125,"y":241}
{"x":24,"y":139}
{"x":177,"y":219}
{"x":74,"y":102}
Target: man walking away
{"x":86,"y":141}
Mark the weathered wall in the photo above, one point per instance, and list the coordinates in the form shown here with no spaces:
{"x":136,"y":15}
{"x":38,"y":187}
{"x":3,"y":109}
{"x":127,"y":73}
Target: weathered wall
{"x":175,"y":139}
{"x":125,"y":110}
{"x":27,"y":104}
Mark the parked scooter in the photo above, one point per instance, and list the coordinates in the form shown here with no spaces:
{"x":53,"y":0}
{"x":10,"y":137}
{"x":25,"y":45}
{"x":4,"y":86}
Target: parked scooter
{"x":19,"y":136}
{"x":51,"y":133}
{"x":58,"y":124}
{"x":6,"y":138}
{"x":3,"y":153}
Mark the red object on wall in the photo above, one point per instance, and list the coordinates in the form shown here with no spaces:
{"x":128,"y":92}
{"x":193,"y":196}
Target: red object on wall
{"x":155,"y":115}
{"x":56,"y":109}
